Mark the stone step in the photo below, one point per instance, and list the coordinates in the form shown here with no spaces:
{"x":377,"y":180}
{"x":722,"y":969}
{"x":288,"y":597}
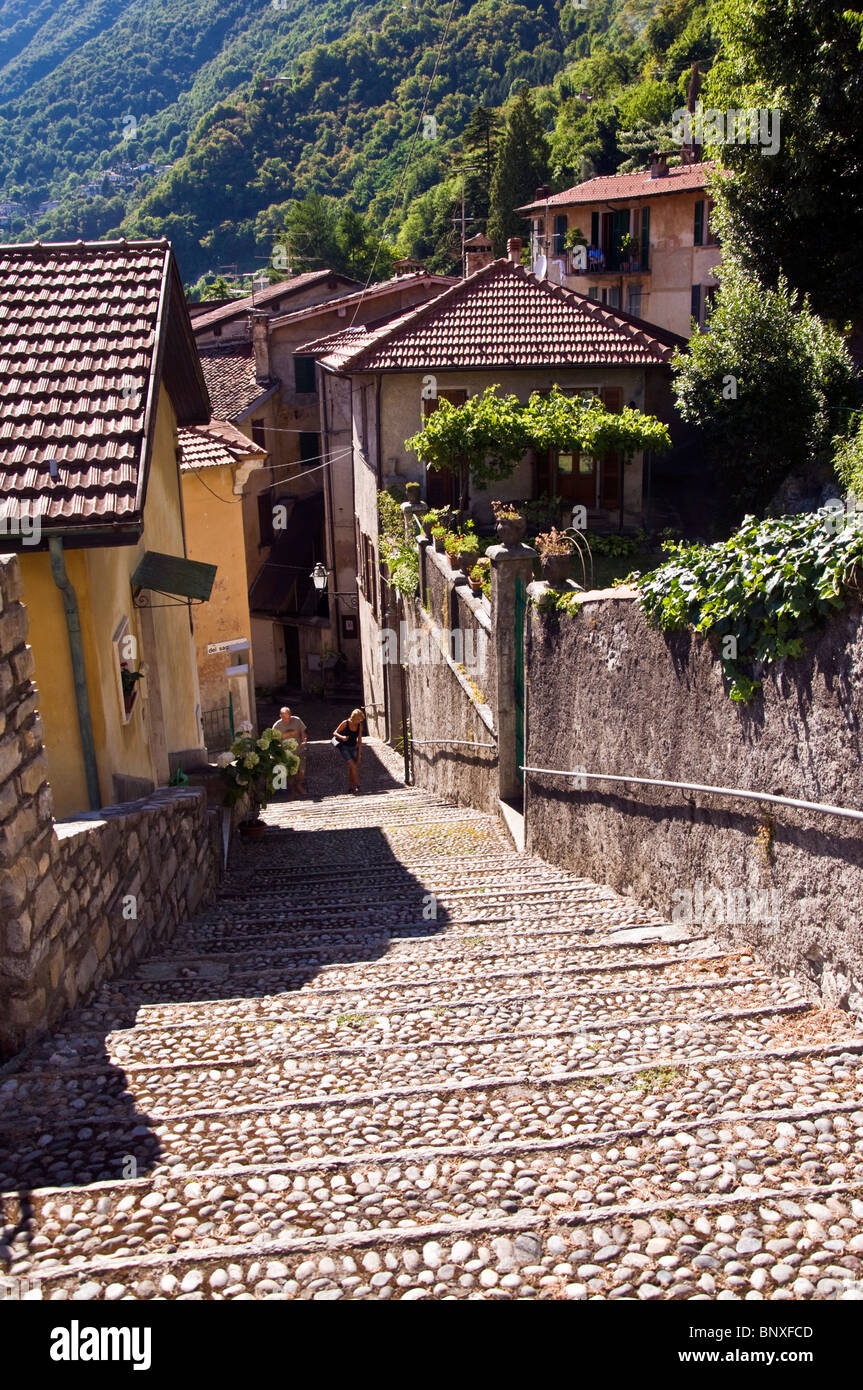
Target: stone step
{"x":800,"y":1244}
{"x":313,"y":1017}
{"x":783,"y":1152}
{"x":374,"y":964}
{"x":212,"y":992}
{"x":353,"y":1045}
{"x":277,"y":1073}
{"x":516,"y":1107}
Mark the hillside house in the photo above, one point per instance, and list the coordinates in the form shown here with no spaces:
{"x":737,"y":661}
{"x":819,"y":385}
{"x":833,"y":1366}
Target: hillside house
{"x":650,"y":248}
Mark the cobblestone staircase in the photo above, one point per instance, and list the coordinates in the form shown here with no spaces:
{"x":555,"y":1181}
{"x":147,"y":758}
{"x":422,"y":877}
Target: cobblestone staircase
{"x":397,"y":1059}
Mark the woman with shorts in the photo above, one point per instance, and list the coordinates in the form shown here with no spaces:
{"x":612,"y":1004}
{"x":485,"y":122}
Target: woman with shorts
{"x":348,"y":740}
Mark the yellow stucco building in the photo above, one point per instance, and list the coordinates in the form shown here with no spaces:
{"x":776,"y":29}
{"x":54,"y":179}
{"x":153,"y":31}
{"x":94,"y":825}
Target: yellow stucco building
{"x":102,"y":373}
{"x":217,"y":461}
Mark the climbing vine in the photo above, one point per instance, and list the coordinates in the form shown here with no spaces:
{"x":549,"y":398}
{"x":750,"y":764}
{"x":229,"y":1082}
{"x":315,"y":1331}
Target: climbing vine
{"x":401,"y":555}
{"x":758,"y":593}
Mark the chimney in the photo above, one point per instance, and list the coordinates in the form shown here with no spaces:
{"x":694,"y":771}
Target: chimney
{"x":513,"y":249}
{"x":658,"y":166}
{"x":261,"y":345}
{"x":542,"y":193}
{"x":477,"y":253}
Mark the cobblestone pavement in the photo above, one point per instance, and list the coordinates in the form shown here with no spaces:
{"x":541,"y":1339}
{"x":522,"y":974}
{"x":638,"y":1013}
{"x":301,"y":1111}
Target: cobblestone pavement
{"x":398,"y":1060}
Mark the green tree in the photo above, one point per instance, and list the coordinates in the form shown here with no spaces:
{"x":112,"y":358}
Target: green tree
{"x":766,"y":382}
{"x":312,"y":231}
{"x":521,"y":166}
{"x":479,"y":140}
{"x":798,"y":212}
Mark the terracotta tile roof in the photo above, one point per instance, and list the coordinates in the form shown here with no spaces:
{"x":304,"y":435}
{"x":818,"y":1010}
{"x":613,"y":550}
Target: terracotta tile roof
{"x":229,"y":372}
{"x":87,"y":331}
{"x":214,"y":444}
{"x":501,"y":317}
{"x":608,"y":188}
{"x":262,"y":299}
{"x":361,"y":296}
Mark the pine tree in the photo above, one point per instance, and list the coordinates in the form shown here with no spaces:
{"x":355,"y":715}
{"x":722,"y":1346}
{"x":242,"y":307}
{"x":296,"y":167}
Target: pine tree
{"x":479,"y":140}
{"x":521,"y":166}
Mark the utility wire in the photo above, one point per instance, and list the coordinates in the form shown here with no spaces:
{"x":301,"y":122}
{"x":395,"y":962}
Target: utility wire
{"x":280,"y":482}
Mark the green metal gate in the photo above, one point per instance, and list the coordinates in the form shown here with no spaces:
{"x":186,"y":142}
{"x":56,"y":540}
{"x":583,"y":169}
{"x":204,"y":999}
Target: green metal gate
{"x":520,"y":609}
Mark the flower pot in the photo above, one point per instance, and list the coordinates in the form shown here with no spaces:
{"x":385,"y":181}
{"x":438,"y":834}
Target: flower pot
{"x":413,"y":492}
{"x":438,"y":544}
{"x":511,"y":530}
{"x":252,"y":830}
{"x":475,"y":586}
{"x":427,"y":529}
{"x":556,"y":569}
{"x":467,"y":559}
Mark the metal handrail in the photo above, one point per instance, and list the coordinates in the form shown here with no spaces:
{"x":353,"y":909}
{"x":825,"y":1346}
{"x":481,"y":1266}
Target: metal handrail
{"x":697,"y":787}
{"x":451,"y":742}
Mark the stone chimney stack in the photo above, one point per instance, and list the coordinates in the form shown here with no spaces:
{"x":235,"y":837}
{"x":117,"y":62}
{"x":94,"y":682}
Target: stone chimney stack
{"x":658,"y":166}
{"x":261,"y":344}
{"x":513,"y":249}
{"x":477,"y":253}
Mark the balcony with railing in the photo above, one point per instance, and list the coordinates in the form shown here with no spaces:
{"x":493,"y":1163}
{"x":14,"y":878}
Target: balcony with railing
{"x":621,"y":260}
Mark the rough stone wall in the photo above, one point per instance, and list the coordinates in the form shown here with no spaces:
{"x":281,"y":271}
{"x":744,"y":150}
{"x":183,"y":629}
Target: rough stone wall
{"x":448,"y":703}
{"x":82,"y":900}
{"x":609,"y":694}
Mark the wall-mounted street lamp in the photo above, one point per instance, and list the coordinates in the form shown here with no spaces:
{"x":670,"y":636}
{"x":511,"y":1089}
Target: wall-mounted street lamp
{"x":320,"y":577}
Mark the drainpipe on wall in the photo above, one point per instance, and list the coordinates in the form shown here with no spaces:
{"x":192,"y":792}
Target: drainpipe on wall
{"x":79,"y":670}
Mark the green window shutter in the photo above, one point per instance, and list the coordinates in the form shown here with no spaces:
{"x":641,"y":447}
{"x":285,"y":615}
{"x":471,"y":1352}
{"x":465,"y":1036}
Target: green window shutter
{"x":695,"y":306}
{"x":594,"y":229}
{"x":645,"y":239}
{"x":699,"y":222}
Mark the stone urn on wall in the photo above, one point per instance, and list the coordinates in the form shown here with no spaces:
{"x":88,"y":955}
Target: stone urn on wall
{"x":555,"y":557}
{"x":511,"y":525}
{"x":556,"y":569}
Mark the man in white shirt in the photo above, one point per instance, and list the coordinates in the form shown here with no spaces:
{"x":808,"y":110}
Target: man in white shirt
{"x":291,"y":726}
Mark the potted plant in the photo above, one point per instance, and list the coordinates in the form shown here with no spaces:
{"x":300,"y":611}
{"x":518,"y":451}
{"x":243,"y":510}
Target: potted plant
{"x":429,"y":519}
{"x":439,"y":534}
{"x":413,"y":492}
{"x":252,"y":767}
{"x":555,"y":556}
{"x":625,"y":251}
{"x":130,"y":680}
{"x":510,"y":523}
{"x":475,"y":579}
{"x":575,"y":242}
{"x":467,"y":555}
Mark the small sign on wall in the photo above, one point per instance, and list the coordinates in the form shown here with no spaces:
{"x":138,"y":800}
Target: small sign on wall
{"x":350,"y":626}
{"x":239,"y":644}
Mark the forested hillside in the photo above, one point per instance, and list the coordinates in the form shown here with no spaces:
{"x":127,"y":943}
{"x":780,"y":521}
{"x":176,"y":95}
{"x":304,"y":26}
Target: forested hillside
{"x":193,"y":83}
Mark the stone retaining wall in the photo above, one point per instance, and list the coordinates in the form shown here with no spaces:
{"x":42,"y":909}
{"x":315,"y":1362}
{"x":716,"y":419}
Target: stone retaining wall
{"x":81,"y":900}
{"x":450,"y":700}
{"x":608,"y":693}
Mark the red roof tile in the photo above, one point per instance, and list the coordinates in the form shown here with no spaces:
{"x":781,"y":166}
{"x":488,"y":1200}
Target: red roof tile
{"x":216,"y":443}
{"x":84,"y":329}
{"x":501,"y":317}
{"x":362,"y":296}
{"x":229,"y":372}
{"x":609,"y":188}
{"x":274,"y":294}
